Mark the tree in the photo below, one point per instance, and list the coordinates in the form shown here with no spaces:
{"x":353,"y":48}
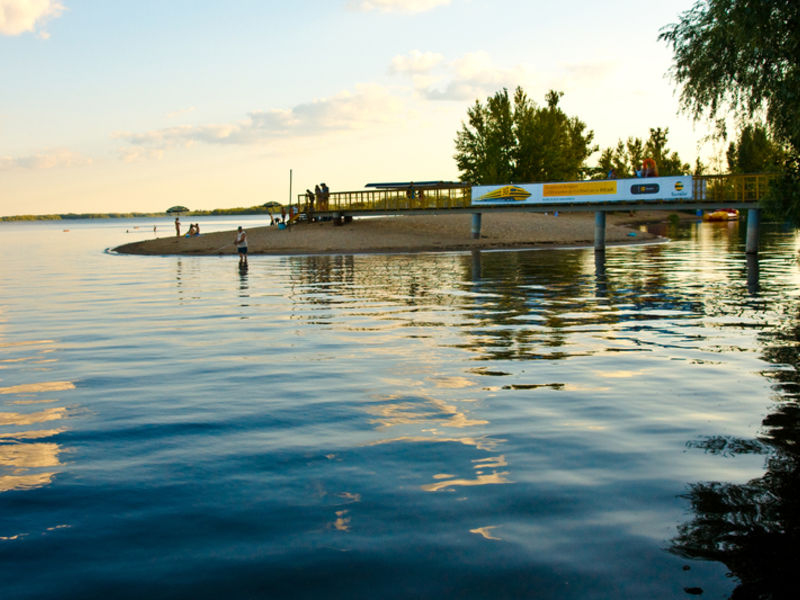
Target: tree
{"x":505,"y":141}
{"x":754,"y":151}
{"x":743,"y":56}
{"x":669,"y":163}
{"x":485,"y":146}
{"x":627,"y":157}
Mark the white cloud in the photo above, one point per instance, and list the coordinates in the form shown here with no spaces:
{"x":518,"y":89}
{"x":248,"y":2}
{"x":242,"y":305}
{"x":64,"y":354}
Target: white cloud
{"x":416,"y":62}
{"x":180,"y":112}
{"x":468,"y":77}
{"x":366,"y":106}
{"x":51,"y":159}
{"x":404,"y":6}
{"x":19,"y":16}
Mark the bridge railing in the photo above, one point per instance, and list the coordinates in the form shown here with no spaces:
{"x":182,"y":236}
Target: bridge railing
{"x":391,"y":200}
{"x":732,"y":188}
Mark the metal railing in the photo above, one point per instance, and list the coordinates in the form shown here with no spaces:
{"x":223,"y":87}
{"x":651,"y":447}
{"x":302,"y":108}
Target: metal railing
{"x":731,"y":188}
{"x":390,"y":200}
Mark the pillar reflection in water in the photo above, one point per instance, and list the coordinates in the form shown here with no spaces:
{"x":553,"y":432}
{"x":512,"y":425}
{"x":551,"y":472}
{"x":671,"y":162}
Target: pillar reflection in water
{"x":601,"y":282}
{"x":752,"y":274}
{"x":476,"y":265}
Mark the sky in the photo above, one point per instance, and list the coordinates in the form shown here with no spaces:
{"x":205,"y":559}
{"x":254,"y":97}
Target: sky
{"x":139,"y":105}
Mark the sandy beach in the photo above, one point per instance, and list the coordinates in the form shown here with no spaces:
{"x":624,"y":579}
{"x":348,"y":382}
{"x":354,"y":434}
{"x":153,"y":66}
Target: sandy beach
{"x":411,"y":234}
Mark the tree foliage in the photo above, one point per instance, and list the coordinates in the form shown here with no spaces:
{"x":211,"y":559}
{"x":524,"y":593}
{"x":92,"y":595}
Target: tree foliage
{"x":505,"y":141}
{"x":627,"y":157}
{"x":743,"y":56}
{"x":754,"y":151}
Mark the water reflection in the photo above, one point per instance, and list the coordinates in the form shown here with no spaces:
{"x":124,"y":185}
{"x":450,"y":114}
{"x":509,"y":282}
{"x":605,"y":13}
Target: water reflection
{"x":244,"y":293}
{"x":752,"y":274}
{"x":27,"y":458}
{"x":601,"y":281}
{"x":754,"y":527}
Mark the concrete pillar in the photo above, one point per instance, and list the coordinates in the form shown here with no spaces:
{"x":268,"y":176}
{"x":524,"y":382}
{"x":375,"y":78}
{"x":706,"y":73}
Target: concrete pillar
{"x":600,"y":230}
{"x":476,"y":226}
{"x":753,"y":219}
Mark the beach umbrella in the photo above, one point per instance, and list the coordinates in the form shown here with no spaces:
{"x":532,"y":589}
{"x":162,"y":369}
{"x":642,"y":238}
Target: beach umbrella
{"x":271,"y":204}
{"x":177,"y":210}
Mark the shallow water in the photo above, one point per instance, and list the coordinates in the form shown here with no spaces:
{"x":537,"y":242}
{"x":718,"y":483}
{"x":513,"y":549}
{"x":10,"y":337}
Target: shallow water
{"x":539,"y":424}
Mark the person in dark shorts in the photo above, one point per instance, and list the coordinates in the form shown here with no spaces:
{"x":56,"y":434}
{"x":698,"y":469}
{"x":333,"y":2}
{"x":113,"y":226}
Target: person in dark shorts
{"x":241,"y":245}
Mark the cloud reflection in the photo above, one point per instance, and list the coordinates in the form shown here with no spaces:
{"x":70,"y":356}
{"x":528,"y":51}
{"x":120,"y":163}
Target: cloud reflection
{"x":494,"y":478}
{"x":33,"y":388}
{"x":485,"y":532}
{"x":432,"y":410}
{"x":27,"y":461}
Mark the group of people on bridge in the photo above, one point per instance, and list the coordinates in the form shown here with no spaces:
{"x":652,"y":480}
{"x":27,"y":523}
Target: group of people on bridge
{"x":649,"y":169}
{"x":319,"y":196}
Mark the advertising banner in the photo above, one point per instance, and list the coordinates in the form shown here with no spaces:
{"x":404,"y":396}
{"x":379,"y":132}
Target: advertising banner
{"x":678,"y":188}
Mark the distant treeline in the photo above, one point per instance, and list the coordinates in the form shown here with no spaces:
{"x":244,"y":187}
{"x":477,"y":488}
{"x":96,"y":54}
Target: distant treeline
{"x":253,"y":210}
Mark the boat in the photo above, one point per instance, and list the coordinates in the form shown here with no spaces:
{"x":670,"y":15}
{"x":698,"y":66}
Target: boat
{"x":721,"y":214}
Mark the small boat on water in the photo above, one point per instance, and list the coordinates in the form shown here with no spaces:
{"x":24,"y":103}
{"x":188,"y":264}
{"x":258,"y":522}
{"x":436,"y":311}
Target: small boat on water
{"x":721,"y":214}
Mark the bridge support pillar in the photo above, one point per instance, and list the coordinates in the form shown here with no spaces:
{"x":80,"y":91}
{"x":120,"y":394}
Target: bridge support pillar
{"x":600,"y":230}
{"x":753,"y":218}
{"x":476,"y":226}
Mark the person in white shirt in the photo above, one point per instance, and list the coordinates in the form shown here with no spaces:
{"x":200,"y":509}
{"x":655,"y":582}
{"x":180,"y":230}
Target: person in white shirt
{"x":241,"y":245}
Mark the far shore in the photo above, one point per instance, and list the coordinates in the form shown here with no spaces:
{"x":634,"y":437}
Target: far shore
{"x":418,"y":233}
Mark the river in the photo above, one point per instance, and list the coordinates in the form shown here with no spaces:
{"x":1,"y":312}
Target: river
{"x":526,"y":424}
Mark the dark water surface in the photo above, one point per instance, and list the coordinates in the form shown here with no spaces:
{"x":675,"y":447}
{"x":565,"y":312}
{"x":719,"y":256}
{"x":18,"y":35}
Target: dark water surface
{"x":539,"y":424}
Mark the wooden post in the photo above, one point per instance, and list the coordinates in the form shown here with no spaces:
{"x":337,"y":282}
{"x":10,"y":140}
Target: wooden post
{"x":753,"y":218}
{"x":600,"y":230}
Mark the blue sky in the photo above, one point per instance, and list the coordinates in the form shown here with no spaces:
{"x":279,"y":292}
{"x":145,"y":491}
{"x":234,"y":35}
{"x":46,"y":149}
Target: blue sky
{"x":139,"y":105}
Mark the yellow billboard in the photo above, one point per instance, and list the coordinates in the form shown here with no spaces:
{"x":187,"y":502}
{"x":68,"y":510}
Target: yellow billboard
{"x":579,"y":188}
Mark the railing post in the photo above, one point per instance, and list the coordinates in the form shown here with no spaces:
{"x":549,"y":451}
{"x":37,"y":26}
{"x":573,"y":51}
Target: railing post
{"x":753,"y":218}
{"x":600,"y":230}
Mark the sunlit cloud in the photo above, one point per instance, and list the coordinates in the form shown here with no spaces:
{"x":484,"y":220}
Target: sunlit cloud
{"x":416,"y":62}
{"x":401,"y":6}
{"x":19,"y":16}
{"x":366,"y":106}
{"x":588,"y":71}
{"x":180,"y":112}
{"x":468,"y":77}
{"x":51,"y":159}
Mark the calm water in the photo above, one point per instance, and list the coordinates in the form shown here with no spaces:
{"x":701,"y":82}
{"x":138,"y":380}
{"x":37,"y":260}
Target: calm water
{"x":535,"y":424}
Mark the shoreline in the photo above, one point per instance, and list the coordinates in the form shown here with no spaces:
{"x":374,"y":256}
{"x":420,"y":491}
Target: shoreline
{"x":412,"y":234}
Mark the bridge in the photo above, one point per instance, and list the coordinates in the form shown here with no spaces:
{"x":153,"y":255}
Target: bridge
{"x":685,"y":193}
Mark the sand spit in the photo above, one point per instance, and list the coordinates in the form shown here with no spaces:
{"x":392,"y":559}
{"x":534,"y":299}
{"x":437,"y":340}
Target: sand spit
{"x":411,"y":234}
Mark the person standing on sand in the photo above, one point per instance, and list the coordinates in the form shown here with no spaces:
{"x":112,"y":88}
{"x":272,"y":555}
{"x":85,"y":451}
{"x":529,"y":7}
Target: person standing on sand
{"x":177,"y":226}
{"x":241,"y":245}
